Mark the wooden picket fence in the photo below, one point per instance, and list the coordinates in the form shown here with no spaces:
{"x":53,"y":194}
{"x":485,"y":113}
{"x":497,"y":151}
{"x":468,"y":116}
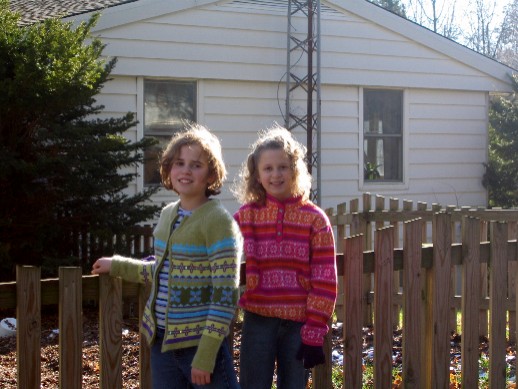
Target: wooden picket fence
{"x":72,"y":290}
{"x":387,"y":265}
{"x":373,"y":214}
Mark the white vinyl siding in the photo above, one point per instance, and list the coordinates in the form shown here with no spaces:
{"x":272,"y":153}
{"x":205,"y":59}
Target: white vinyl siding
{"x":236,"y":53}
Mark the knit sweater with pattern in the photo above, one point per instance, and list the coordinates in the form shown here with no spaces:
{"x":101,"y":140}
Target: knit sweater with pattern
{"x":204,"y":253}
{"x":290,"y":264}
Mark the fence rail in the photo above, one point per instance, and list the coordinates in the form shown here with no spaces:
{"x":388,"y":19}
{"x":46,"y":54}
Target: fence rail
{"x":385,"y":261}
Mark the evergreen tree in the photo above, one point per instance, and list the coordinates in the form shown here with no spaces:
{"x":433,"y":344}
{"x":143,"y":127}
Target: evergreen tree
{"x":501,"y":176}
{"x":62,"y":170}
{"x":394,"y":6}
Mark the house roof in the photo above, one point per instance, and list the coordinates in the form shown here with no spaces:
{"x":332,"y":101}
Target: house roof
{"x":32,"y":11}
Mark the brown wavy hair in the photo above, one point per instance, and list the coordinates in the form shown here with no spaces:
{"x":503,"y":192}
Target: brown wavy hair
{"x":248,"y":189}
{"x":195,"y":134}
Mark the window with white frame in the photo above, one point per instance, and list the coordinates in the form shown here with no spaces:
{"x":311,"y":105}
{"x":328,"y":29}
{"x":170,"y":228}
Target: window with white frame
{"x":168,"y":106}
{"x":382,"y":135}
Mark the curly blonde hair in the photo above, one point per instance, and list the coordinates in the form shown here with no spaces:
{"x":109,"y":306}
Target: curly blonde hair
{"x":195,"y":134}
{"x":248,"y":189}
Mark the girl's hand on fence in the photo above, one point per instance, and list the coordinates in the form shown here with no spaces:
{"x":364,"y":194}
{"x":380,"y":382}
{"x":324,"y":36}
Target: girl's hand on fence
{"x":200,"y":377}
{"x":102,"y":265}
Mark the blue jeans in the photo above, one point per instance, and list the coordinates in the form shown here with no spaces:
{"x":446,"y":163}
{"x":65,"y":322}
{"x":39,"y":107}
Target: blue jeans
{"x":172,"y":369}
{"x":264,"y":340}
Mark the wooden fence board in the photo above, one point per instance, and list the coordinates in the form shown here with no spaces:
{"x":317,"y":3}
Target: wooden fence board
{"x":367,"y":226}
{"x":497,"y":295}
{"x":396,"y":282}
{"x":516,"y":310}
{"x":353,"y":308}
{"x":28,"y":327}
{"x":484,"y":286}
{"x":322,"y":374}
{"x":383,"y":292}
{"x":470,"y":302}
{"x":110,"y":330}
{"x":437,"y":337}
{"x":70,"y":328}
{"x":413,"y":308}
{"x":144,"y":349}
{"x":511,"y":282}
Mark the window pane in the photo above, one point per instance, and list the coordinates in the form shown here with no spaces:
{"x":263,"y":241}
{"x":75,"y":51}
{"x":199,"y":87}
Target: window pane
{"x":383,"y":141}
{"x":168,"y":107}
{"x":378,"y":165}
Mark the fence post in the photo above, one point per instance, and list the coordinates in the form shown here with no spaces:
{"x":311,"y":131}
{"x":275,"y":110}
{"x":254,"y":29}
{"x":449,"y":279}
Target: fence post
{"x":470,"y":301}
{"x":511,"y":283}
{"x":484,"y":287}
{"x":70,"y":328}
{"x":393,"y":207}
{"x":413,"y":305}
{"x":110,"y":331}
{"x":383,"y":298}
{"x":367,"y":241}
{"x":497,"y":303}
{"x":353,"y":309}
{"x":322,"y":373}
{"x":28,"y":326}
{"x":437,"y":337}
{"x":340,"y":235}
{"x":455,"y":273}
{"x":144,"y":350}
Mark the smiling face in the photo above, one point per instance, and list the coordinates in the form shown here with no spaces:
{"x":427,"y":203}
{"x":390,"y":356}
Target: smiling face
{"x":190,"y":176}
{"x":275,"y":173}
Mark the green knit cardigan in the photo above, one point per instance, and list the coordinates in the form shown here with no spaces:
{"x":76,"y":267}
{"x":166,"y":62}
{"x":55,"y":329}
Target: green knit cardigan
{"x":204,"y":254}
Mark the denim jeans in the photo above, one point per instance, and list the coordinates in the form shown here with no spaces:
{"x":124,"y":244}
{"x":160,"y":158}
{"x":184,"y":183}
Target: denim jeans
{"x":172,"y":369}
{"x":263,"y":341}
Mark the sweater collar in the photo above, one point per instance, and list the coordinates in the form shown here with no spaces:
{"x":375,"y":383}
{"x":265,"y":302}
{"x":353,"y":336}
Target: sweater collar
{"x":208,"y":204}
{"x":288,"y":201}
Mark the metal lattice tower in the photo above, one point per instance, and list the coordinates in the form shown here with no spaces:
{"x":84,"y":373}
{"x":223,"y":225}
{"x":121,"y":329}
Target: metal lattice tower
{"x":305,"y":46}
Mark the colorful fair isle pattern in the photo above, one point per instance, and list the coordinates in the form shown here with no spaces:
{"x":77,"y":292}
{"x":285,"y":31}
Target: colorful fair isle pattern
{"x":203,"y":255}
{"x":290,"y":264}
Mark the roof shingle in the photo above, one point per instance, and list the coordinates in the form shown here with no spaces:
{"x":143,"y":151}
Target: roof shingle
{"x":32,"y":11}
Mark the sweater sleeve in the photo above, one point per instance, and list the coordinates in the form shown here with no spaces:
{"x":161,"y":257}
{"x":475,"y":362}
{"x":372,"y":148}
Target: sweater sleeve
{"x":224,"y":247}
{"x":322,"y":295}
{"x":132,"y":270}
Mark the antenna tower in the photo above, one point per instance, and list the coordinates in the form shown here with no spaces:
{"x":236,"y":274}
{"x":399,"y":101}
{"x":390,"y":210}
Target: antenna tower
{"x":305,"y":46}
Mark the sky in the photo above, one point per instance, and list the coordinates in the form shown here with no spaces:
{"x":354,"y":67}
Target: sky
{"x":462,"y":7}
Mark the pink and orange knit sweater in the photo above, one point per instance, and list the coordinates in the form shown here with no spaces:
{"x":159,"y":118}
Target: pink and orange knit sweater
{"x":290,"y":264}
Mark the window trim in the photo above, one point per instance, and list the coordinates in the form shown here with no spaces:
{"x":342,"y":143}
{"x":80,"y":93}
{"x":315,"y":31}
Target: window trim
{"x":381,"y":186}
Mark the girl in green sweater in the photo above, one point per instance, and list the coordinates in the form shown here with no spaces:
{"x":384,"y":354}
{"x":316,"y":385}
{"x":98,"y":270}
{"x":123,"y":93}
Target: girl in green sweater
{"x":194,"y":275}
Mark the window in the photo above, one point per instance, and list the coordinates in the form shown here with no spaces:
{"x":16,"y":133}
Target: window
{"x":382,"y":135}
{"x":168,"y":106}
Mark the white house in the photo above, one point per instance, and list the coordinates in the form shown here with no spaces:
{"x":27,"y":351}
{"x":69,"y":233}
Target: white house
{"x":408,"y":101}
